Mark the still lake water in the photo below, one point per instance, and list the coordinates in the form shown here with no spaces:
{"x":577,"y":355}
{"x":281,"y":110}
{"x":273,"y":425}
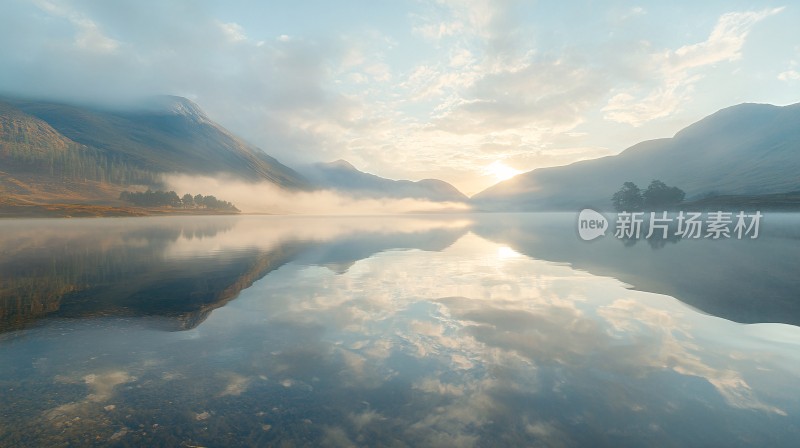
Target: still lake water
{"x":475,"y":330}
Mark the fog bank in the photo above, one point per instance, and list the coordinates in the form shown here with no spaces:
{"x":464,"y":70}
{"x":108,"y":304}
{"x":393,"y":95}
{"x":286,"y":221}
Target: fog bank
{"x":268,"y":198}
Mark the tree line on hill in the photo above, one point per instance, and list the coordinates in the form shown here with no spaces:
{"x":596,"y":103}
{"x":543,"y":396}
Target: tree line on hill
{"x":160,"y":198}
{"x":657,"y":196}
{"x":75,"y":162}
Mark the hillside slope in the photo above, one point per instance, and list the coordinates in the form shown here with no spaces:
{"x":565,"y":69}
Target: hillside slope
{"x":746,"y":149}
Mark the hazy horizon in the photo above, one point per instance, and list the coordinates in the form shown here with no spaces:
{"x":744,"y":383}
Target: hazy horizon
{"x":467,"y":92}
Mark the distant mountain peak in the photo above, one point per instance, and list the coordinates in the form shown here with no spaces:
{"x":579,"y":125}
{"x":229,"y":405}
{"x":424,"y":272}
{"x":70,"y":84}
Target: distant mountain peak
{"x":175,"y":105}
{"x":341,"y":175}
{"x":341,"y":164}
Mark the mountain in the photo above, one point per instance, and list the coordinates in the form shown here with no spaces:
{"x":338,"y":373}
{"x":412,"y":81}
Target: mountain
{"x":344,"y":177}
{"x":43,"y":141}
{"x":748,"y":149}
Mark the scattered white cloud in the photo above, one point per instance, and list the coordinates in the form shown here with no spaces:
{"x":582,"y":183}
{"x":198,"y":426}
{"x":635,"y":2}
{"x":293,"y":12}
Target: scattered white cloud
{"x":233,"y":31}
{"x":379,"y":72}
{"x":636,"y":11}
{"x":88,"y":35}
{"x":548,"y":95}
{"x":675,"y":71}
{"x":724,"y":44}
{"x":789,"y":75}
{"x":439,"y":30}
{"x":456,"y":86}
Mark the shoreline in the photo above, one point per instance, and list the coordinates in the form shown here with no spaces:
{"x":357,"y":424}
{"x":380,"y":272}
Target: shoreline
{"x":65,"y":210}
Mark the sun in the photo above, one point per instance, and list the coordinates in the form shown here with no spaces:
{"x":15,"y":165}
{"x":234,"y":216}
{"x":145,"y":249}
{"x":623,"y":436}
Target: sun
{"x":500,"y":171}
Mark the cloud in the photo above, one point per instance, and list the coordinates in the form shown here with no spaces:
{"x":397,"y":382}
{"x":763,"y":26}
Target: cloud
{"x":277,"y":93}
{"x":789,"y":75}
{"x":675,"y":71}
{"x":491,"y":60}
{"x":438,"y":30}
{"x":88,"y":35}
{"x":234,"y":31}
{"x":492,"y":87}
{"x":415,"y":98}
{"x":552,"y":95}
{"x":724,"y":44}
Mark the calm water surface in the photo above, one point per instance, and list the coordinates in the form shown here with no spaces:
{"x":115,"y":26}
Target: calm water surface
{"x":490,"y":330}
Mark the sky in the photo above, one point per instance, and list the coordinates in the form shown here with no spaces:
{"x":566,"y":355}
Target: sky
{"x":470,"y":92}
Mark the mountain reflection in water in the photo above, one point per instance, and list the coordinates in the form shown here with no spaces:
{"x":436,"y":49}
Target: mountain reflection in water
{"x":405,"y":331}
{"x":159,"y":267}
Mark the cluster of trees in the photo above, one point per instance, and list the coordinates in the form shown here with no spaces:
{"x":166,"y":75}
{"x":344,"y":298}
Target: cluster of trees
{"x":160,"y":198}
{"x":657,"y":196}
{"x":75,"y":162}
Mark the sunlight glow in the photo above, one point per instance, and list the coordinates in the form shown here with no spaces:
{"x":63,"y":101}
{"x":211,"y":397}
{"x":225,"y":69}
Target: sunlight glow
{"x":505,"y":252}
{"x":500,"y":171}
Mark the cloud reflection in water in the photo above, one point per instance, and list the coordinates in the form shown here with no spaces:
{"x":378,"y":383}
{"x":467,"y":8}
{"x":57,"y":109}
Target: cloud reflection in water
{"x":370,"y":336}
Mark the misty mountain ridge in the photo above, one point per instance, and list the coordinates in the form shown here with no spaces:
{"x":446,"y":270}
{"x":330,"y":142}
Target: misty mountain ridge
{"x":161,"y":135}
{"x":751,"y":149}
{"x":48,"y":148}
{"x":172,"y":105}
{"x":53,"y":152}
{"x":342,"y":176}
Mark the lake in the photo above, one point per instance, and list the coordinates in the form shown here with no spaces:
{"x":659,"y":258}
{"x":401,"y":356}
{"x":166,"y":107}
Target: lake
{"x":445,"y":330}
